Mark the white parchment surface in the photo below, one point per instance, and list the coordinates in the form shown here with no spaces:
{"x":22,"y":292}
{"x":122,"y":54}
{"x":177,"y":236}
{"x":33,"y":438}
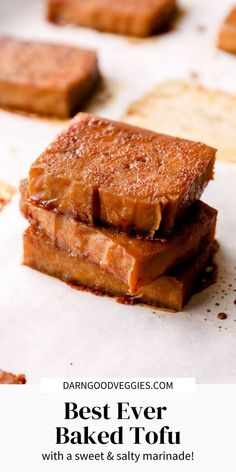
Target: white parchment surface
{"x":49,"y":329}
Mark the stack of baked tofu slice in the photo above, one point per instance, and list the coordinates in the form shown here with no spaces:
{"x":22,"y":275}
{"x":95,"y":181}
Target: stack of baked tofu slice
{"x":115,"y":208}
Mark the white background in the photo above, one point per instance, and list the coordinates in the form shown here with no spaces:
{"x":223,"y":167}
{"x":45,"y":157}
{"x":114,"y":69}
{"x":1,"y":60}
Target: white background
{"x":48,"y":329}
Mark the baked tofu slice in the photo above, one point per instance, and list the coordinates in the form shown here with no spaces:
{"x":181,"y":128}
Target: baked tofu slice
{"x":48,"y":79}
{"x":133,"y":260}
{"x":130,"y":17}
{"x":169,"y":291}
{"x":8,"y":378}
{"x":227,"y":34}
{"x":109,"y":173}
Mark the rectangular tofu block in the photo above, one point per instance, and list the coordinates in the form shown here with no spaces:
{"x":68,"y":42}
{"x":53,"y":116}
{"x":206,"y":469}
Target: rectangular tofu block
{"x":168,"y":291}
{"x":109,"y":173}
{"x":48,"y":79}
{"x":227,"y":33}
{"x":130,"y":17}
{"x":133,"y":260}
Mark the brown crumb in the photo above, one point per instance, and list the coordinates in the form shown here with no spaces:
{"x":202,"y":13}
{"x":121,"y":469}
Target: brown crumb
{"x":208,"y":310}
{"x":126,"y":300}
{"x":201,"y":28}
{"x":6,"y":193}
{"x":222,"y":316}
{"x":8,"y":378}
{"x":194,"y":75}
{"x":235,"y":302}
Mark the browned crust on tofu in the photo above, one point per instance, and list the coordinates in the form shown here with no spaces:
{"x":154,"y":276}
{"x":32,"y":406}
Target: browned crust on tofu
{"x":109,"y":173}
{"x":169,"y":291}
{"x":128,"y":17}
{"x":48,"y":79}
{"x":133,"y":260}
{"x":8,"y":378}
{"x":227,"y":33}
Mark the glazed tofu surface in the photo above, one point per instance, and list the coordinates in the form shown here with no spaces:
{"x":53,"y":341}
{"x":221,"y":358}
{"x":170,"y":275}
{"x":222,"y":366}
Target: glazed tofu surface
{"x":169,"y":291}
{"x":50,"y":79}
{"x":129,"y":17}
{"x":133,"y":260}
{"x":227,"y":34}
{"x":113,"y":174}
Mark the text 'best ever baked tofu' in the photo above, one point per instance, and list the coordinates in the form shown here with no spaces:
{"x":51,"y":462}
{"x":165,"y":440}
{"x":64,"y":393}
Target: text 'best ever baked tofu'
{"x":133,"y":260}
{"x":130,"y":17}
{"x":170,"y":291}
{"x":227,"y":34}
{"x":109,"y":173}
{"x":48,"y":79}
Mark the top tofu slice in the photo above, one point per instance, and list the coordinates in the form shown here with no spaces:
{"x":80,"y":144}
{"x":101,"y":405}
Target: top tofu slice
{"x":227,"y":34}
{"x":131,"y":17}
{"x":49,"y":79}
{"x":109,"y":173}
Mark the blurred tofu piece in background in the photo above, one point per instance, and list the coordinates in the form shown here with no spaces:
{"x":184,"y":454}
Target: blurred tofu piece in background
{"x":47,"y":79}
{"x":129,"y":17}
{"x":227,"y":34}
{"x":189,"y":111}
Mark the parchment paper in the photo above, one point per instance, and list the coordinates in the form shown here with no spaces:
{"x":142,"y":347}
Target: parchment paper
{"x":49,"y":329}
